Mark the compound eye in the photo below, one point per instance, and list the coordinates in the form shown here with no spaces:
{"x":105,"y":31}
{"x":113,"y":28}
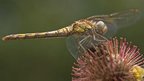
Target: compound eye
{"x":100,"y":24}
{"x":101,"y":27}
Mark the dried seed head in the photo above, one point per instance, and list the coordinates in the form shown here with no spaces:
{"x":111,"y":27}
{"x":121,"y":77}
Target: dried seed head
{"x":110,"y":61}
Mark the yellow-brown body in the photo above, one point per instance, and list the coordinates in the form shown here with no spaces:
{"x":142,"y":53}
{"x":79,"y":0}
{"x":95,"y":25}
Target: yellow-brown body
{"x":77,"y":27}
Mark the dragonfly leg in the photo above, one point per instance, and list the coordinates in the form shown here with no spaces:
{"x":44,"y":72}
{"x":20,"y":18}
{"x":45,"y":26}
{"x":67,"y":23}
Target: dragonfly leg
{"x":100,"y":37}
{"x":82,"y":41}
{"x":103,"y":37}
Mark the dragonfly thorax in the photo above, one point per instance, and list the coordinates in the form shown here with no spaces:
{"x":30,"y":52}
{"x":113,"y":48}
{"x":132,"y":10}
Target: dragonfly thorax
{"x":83,"y":26}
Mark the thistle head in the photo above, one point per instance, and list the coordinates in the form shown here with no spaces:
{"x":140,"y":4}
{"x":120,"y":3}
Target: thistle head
{"x":111,"y":61}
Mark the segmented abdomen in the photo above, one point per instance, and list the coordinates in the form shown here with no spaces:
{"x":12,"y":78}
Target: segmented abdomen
{"x":57,"y":33}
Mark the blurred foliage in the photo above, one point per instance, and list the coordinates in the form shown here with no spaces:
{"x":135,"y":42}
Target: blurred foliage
{"x":48,"y":59}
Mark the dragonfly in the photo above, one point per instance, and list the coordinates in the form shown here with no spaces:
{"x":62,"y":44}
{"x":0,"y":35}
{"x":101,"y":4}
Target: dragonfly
{"x":82,"y":33}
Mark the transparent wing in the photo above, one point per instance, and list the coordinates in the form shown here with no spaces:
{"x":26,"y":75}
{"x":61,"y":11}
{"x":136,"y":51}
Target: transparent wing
{"x":72,"y":45}
{"x":118,"y":20}
{"x":77,"y":48}
{"x":112,"y":29}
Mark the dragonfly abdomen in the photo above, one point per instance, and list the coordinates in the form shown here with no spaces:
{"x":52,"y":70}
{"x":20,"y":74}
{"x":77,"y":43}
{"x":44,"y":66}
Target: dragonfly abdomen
{"x":25,"y":36}
{"x":63,"y":32}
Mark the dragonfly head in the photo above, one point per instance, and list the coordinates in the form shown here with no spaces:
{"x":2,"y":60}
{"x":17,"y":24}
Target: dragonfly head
{"x":101,"y":27}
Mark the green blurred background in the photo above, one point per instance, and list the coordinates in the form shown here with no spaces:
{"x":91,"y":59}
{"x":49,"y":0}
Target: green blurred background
{"x":49,"y":60}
